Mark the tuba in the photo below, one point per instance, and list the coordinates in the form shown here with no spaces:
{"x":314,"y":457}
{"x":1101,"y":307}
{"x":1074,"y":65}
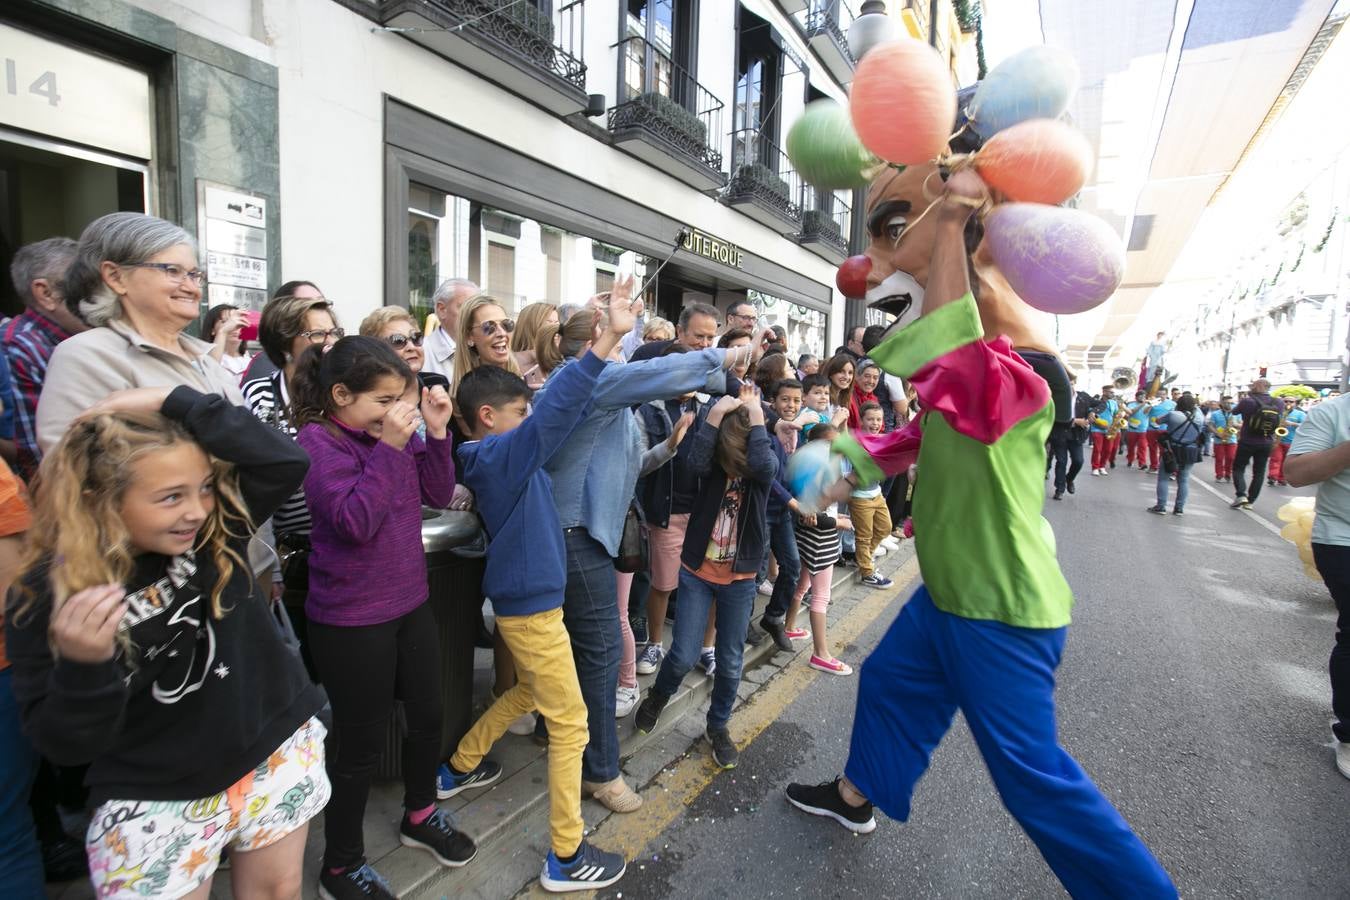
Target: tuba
{"x":1123,"y":377}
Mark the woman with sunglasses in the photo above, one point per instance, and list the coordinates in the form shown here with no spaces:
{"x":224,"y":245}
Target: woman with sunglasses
{"x":484,"y":337}
{"x":531,"y":320}
{"x":397,"y":326}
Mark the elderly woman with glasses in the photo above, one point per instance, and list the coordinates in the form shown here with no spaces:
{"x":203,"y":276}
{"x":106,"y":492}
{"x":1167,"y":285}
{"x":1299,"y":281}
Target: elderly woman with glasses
{"x":135,"y":281}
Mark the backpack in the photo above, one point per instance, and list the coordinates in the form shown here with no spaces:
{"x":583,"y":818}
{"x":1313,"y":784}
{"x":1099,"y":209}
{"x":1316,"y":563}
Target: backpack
{"x":1179,"y":450}
{"x":1264,"y":421}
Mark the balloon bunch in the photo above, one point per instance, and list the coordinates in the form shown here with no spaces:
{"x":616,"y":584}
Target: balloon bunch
{"x":1058,"y":260}
{"x":1299,"y":514}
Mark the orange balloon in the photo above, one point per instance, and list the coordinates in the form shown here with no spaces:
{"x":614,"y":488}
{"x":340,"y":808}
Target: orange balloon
{"x":903,"y":102}
{"x":1036,"y":161}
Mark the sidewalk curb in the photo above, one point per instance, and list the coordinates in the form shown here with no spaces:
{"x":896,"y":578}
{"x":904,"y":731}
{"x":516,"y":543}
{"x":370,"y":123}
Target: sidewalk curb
{"x":509,"y":821}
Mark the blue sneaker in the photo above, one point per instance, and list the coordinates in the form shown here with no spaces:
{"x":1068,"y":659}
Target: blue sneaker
{"x":448,"y":784}
{"x":876,"y":581}
{"x":591,"y":869}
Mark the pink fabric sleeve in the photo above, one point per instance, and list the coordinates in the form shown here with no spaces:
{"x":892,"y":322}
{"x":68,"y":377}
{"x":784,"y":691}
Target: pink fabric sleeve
{"x":982,"y":389}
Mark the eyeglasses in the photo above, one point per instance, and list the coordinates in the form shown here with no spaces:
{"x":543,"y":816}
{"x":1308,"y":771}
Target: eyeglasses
{"x":402,"y":340}
{"x":175,"y":272}
{"x":749,"y":317}
{"x":322,"y":335}
{"x":489,"y":328}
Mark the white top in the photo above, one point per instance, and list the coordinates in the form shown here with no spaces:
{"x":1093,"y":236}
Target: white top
{"x":1327,"y":425}
{"x":1154,"y":354}
{"x":236,"y":365}
{"x":440,"y":353}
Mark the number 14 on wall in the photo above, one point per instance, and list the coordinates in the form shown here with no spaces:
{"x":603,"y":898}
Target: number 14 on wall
{"x":43,"y":86}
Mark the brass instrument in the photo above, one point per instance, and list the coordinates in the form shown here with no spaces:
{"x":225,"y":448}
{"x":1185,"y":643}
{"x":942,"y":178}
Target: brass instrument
{"x":1123,"y":377}
{"x":1117,"y":421}
{"x":1281,"y":431}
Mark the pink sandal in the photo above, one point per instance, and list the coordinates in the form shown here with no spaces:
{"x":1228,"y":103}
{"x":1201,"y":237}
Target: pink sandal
{"x":832,"y":665}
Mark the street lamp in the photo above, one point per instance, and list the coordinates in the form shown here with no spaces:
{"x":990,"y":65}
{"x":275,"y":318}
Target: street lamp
{"x":871,"y":27}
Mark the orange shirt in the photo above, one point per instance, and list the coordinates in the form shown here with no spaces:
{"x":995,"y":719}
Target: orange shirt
{"x":14,"y":520}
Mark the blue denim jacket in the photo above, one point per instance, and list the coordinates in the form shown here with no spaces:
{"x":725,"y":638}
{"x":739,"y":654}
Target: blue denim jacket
{"x":594,"y":474}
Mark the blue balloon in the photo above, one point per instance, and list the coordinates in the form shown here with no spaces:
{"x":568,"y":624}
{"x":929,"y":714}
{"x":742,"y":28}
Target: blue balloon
{"x":1035,"y":83}
{"x":810,"y":473}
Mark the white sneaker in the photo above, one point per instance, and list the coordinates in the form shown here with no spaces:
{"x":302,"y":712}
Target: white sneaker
{"x":625,"y":698}
{"x":891,"y":543}
{"x":1096,"y":472}
{"x":1343,"y":757}
{"x":766,"y":588}
{"x":878,"y":551}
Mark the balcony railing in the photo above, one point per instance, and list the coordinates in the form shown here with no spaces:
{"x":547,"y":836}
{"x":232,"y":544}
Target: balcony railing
{"x":826,"y":221}
{"x":823,"y":21}
{"x":659,"y":98}
{"x":553,"y":43}
{"x":762,"y":175}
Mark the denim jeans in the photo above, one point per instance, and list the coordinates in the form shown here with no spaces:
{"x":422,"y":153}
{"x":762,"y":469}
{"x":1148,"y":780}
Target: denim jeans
{"x":734,"y":602}
{"x":1258,"y":457}
{"x":20,"y":858}
{"x":1183,"y":485}
{"x":591,"y":615}
{"x":783,"y":543}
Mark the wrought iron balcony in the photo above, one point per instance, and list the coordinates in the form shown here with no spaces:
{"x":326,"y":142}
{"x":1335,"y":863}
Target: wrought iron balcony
{"x":666,"y":117}
{"x":825,"y":23}
{"x":536,"y":54}
{"x":826,"y":221}
{"x":763,"y":183}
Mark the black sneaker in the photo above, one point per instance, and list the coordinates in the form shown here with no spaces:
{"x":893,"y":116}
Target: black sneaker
{"x":64,"y":859}
{"x":775,"y":630}
{"x":1069,"y":486}
{"x":438,"y":836}
{"x":824,"y":800}
{"x":449,"y":782}
{"x":649,"y":711}
{"x":1157,"y":510}
{"x":754,"y":636}
{"x":357,"y":883}
{"x":1059,"y":495}
{"x":590,"y":869}
{"x":724,"y":749}
{"x":1178,"y":511}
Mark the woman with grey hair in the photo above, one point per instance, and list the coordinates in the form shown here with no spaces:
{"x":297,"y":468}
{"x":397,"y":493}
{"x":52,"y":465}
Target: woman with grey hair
{"x":135,"y":281}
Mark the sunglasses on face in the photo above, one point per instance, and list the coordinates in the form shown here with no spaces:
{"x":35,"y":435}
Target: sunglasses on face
{"x":490,"y":327}
{"x":402,"y":340}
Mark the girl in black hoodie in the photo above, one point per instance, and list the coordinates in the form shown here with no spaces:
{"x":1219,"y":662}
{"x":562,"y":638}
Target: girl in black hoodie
{"x":142,"y":645}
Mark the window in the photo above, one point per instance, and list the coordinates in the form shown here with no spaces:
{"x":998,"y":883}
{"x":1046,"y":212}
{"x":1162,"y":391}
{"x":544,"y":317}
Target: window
{"x":759,"y":76}
{"x":660,"y":49}
{"x":501,"y":278}
{"x":604,"y":280}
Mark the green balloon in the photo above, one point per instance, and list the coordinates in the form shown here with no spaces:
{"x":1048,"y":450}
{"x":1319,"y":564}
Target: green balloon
{"x":825,"y":150}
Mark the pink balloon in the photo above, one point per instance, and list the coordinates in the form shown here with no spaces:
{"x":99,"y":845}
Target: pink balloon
{"x":903,"y":102}
{"x":1058,"y":260}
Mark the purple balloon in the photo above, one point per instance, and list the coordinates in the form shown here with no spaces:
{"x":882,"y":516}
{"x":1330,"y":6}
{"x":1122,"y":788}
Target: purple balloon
{"x":1058,"y":260}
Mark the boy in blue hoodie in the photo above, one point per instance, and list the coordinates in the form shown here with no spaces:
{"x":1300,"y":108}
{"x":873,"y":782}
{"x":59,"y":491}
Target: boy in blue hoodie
{"x":504,"y":467}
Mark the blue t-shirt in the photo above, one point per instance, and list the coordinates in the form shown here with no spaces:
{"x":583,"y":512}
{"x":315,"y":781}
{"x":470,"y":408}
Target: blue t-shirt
{"x":1292,"y":421}
{"x":1136,"y":422}
{"x":1106,"y":414}
{"x":1230,"y":420}
{"x":1159,"y":414}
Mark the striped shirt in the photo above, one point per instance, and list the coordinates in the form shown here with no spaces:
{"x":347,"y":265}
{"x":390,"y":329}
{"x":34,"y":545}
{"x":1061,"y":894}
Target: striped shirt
{"x":29,"y":340}
{"x":268,"y":400}
{"x":818,"y":544}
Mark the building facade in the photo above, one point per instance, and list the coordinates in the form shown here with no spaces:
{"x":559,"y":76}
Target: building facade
{"x":378,"y":147}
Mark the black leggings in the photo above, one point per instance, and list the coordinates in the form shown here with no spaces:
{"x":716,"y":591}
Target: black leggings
{"x":364,"y":668}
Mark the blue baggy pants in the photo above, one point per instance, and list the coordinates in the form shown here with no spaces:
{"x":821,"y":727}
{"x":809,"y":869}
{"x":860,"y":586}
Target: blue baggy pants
{"x":931,"y":663}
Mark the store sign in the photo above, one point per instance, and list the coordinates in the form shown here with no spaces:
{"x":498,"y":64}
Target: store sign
{"x":234,"y":224}
{"x":56,"y":90}
{"x":712,"y":248}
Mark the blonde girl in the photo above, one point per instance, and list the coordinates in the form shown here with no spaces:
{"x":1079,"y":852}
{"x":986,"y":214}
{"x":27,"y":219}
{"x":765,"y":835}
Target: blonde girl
{"x":484,"y":337}
{"x":142,"y":645}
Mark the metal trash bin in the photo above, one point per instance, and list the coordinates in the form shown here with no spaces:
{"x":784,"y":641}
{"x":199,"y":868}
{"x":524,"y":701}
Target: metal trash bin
{"x":452,"y":542}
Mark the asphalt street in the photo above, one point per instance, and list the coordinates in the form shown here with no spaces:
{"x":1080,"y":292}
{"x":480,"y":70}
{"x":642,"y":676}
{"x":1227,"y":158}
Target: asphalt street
{"x":1193,"y":690}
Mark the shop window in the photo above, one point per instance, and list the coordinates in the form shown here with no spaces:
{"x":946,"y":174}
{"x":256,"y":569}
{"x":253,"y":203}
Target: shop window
{"x":806,"y":327}
{"x":604,"y":280}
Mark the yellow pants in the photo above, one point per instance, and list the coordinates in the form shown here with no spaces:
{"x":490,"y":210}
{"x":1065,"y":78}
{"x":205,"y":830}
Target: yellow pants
{"x":871,"y":525}
{"x":547,"y":682}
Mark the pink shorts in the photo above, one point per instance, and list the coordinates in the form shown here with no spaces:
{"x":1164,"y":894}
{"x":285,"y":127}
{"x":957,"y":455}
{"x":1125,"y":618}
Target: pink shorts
{"x":142,"y":848}
{"x":665,"y":546}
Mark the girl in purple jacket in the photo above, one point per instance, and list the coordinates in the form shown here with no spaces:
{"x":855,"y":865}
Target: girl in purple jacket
{"x":371,"y":630}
